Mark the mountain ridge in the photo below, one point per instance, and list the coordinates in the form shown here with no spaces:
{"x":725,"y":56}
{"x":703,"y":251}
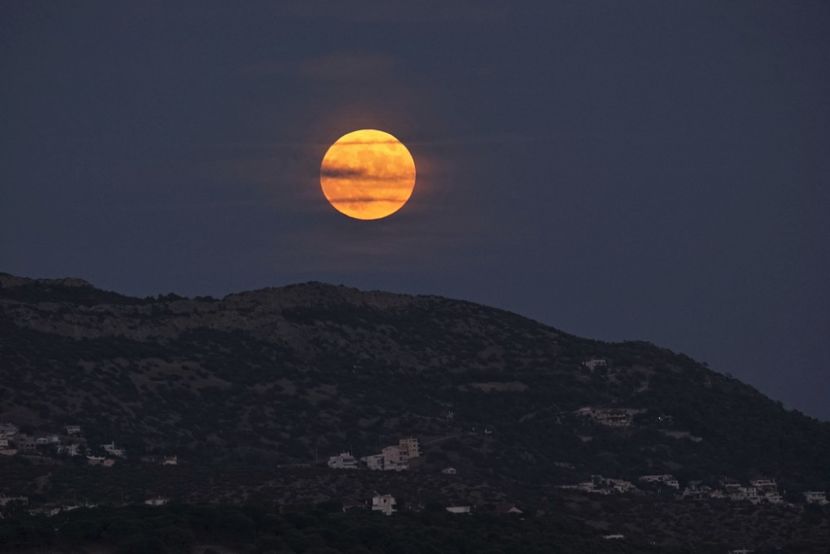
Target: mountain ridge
{"x":250,"y":394}
{"x":351,"y":365}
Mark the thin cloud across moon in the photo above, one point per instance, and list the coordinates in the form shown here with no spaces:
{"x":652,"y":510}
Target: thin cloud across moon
{"x":367,"y":174}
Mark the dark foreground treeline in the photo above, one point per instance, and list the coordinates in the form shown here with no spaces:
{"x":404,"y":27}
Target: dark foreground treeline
{"x":322,"y":529}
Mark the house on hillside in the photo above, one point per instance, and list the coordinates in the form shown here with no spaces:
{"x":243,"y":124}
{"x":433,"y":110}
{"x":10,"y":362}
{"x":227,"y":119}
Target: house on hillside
{"x":384,"y":503}
{"x":767,"y":490}
{"x":619,"y":486}
{"x":113,"y":450}
{"x":394,"y":458}
{"x":459,"y":509}
{"x":170,"y":461}
{"x":610,"y":417}
{"x":73,"y":430}
{"x":69,"y":449}
{"x":373,"y":462}
{"x":157,"y":501}
{"x":47,"y":440}
{"x":666,"y":480}
{"x":696,"y":491}
{"x":344,"y":460}
{"x":594,"y":363}
{"x":449,"y":471}
{"x":739,"y":493}
{"x":764,"y":485}
{"x":410,"y":447}
{"x":816,"y":497}
{"x":602,"y":485}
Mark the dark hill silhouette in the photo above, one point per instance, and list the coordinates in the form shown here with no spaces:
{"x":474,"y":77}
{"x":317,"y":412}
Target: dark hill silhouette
{"x":256,"y":390}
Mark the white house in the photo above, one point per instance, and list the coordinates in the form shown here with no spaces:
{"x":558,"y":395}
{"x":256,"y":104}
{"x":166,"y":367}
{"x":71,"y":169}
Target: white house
{"x":47,"y":440}
{"x":610,"y":417}
{"x":394,"y":458}
{"x":69,"y":449}
{"x":384,"y":503}
{"x":449,"y":471}
{"x":816,"y":497}
{"x":764,"y":484}
{"x":73,"y":429}
{"x":344,"y":460}
{"x":459,"y":509}
{"x":620,"y":486}
{"x":667,"y":480}
{"x":170,"y":461}
{"x":157,"y":501}
{"x":113,"y":450}
{"x":373,"y":462}
{"x":613,"y":537}
{"x":594,"y":363}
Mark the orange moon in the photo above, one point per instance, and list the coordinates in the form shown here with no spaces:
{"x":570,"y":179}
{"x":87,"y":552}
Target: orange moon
{"x":367,"y":174}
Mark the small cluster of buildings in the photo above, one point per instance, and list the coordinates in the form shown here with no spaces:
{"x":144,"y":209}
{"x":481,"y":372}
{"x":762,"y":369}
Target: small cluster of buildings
{"x":610,"y":417}
{"x":391,"y":458}
{"x":602,"y":485}
{"x":112,"y":453}
{"x":757,"y":491}
{"x":13,"y":500}
{"x":816,"y":497}
{"x":662,"y":480}
{"x":594,"y":363}
{"x":70,"y":443}
{"x":13,"y":442}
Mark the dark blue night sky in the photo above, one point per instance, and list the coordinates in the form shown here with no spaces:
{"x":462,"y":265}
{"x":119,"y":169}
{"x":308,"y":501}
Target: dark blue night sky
{"x":621,"y":170}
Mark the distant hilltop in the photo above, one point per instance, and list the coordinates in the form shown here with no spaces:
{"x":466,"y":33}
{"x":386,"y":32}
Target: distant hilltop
{"x":295,"y":375}
{"x":9,"y":281}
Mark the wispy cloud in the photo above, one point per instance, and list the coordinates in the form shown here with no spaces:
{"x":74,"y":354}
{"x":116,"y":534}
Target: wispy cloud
{"x":363,"y":174}
{"x":334,"y":66}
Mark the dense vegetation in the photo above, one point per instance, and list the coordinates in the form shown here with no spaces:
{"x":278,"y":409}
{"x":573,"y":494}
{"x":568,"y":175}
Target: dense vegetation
{"x":254,"y":391}
{"x":324,"y":529}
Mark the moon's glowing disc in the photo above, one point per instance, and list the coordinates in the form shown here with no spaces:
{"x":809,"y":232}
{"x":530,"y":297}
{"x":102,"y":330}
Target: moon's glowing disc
{"x":367,"y":174}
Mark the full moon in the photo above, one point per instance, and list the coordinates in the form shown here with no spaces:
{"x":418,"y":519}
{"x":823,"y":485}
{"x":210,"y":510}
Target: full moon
{"x":367,"y":174}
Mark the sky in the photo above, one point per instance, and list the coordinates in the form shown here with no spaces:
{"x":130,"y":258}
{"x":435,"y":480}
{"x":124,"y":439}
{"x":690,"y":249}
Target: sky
{"x":652,"y":170}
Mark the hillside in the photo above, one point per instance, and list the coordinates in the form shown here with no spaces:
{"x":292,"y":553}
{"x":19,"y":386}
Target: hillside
{"x":286,"y":377}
